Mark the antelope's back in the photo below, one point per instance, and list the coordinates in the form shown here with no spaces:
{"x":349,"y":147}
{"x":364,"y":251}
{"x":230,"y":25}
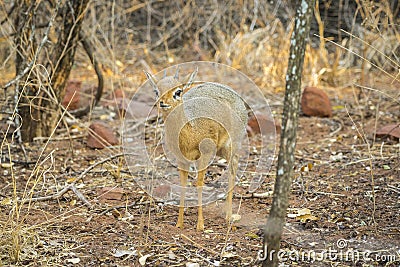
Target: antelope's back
{"x":218,"y":102}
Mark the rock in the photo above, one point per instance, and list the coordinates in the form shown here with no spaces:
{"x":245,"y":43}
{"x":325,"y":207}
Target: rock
{"x":72,"y":95}
{"x":110,"y":193}
{"x":261,"y":123}
{"x":315,"y":102}
{"x":140,"y":110}
{"x":118,"y":93}
{"x":391,"y":130}
{"x":114,"y":95}
{"x":78,"y":97}
{"x":162,"y":191}
{"x":100,"y":136}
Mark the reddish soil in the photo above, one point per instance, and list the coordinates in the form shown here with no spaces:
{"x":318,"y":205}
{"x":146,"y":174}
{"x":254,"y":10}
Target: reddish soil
{"x":352,"y":192}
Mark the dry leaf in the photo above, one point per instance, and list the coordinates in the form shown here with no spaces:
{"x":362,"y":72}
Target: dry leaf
{"x":6,"y":201}
{"x":252,"y":235}
{"x":264,"y":194}
{"x":119,"y":63}
{"x":122,"y":252}
{"x":305,"y":217}
{"x":307,"y":168}
{"x":228,"y":255}
{"x":236,"y":217}
{"x":386,"y":167}
{"x":304,"y":211}
{"x":171,"y":255}
{"x":71,"y":180}
{"x":6,"y":165}
{"x":143,"y":259}
{"x":74,"y":260}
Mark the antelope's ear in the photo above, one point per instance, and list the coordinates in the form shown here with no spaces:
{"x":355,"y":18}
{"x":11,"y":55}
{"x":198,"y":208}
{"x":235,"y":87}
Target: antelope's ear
{"x":188,"y":81}
{"x":153,"y":83}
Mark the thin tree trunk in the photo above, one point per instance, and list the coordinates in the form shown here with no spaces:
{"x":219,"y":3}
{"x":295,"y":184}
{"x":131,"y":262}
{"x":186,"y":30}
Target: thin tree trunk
{"x":40,"y":91}
{"x":274,"y":227}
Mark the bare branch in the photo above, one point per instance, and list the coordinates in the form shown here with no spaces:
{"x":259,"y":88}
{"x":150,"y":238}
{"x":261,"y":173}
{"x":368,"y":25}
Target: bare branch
{"x":38,"y":50}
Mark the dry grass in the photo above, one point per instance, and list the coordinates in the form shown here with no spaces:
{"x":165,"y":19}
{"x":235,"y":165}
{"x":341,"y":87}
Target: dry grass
{"x":17,"y":239}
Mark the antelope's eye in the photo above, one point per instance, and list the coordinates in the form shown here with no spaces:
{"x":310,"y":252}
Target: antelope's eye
{"x":178,"y":94}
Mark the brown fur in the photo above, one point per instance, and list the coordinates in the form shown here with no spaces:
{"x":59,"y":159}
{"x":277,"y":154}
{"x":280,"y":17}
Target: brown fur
{"x":184,"y":104}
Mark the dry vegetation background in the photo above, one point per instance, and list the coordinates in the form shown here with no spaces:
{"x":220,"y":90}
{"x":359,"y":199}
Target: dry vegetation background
{"x":354,"y":55}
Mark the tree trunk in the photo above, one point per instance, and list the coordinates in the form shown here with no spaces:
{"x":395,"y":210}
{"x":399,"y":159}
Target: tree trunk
{"x":276,"y":219}
{"x":43,"y":64}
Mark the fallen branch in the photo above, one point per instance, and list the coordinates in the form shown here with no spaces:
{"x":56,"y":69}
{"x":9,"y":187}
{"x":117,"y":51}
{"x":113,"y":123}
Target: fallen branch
{"x":70,"y":187}
{"x":91,"y":167}
{"x":133,"y":204}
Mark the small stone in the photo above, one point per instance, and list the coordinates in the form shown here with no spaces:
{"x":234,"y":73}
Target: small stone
{"x":100,"y":136}
{"x":315,"y":102}
{"x":118,"y":93}
{"x":162,"y":191}
{"x":390,"y":130}
{"x":140,"y":110}
{"x":110,"y":193}
{"x":261,"y":123}
{"x":78,"y":97}
{"x":72,"y":95}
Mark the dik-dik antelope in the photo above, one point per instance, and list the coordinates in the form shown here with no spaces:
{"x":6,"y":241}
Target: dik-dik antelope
{"x":197,"y":114}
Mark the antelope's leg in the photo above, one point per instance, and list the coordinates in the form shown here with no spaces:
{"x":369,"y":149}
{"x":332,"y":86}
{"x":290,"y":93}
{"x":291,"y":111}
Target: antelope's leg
{"x":183,"y":175}
{"x":200,"y":184}
{"x":231,"y":184}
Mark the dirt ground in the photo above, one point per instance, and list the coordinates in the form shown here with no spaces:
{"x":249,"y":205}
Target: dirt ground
{"x":344,"y":210}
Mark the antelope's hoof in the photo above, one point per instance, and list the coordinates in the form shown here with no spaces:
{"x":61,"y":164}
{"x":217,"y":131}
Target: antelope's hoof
{"x":200,"y":226}
{"x":179,"y":225}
